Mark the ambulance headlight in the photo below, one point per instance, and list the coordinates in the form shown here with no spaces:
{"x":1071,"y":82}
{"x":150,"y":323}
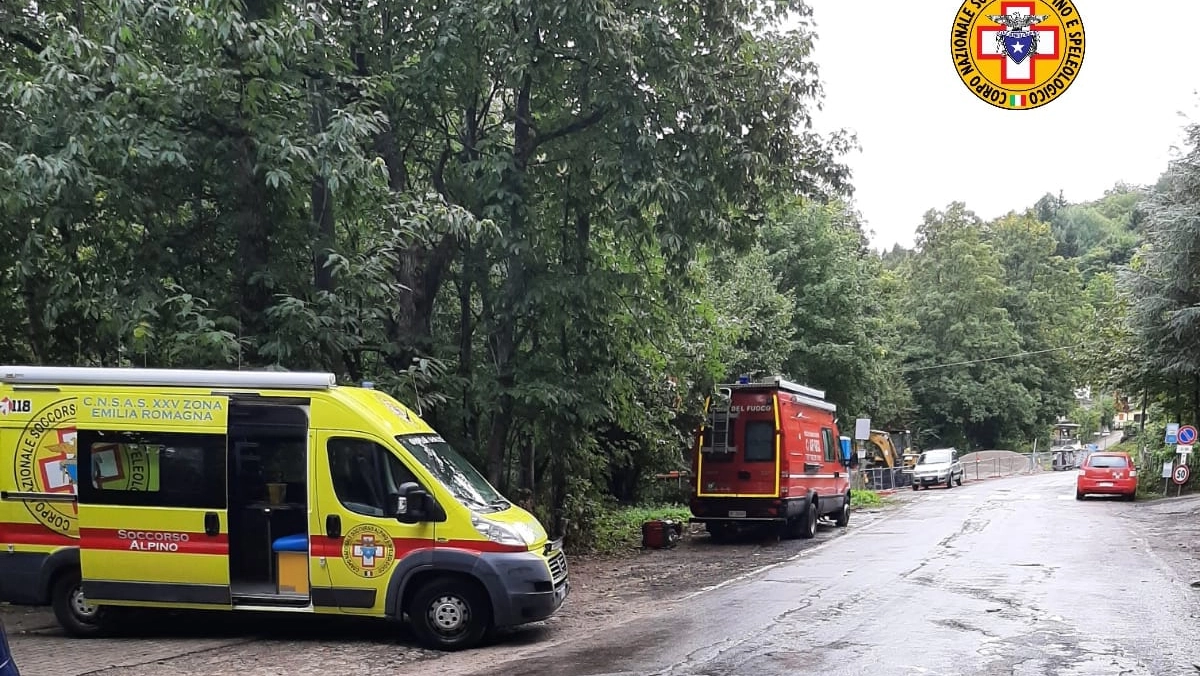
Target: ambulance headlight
{"x":515,"y":534}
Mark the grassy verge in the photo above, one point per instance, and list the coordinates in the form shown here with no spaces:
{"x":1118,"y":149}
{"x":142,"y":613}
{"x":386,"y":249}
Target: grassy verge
{"x":865,"y":498}
{"x":620,"y":530}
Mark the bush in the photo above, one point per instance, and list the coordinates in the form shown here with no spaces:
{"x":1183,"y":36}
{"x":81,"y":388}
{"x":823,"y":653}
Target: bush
{"x":1150,"y":481}
{"x":619,"y":529}
{"x":864,"y":498}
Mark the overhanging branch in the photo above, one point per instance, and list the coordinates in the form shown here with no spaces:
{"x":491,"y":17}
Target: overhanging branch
{"x":21,"y":39}
{"x":572,"y":127}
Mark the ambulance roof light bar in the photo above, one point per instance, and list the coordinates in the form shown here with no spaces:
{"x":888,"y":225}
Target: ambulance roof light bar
{"x":85,"y":375}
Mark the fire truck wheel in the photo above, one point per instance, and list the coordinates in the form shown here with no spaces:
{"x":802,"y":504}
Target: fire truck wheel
{"x":719,"y":532}
{"x":843,"y":517}
{"x":806,"y":525}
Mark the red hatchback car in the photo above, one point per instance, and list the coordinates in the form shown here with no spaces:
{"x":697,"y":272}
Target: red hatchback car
{"x":1107,"y":473}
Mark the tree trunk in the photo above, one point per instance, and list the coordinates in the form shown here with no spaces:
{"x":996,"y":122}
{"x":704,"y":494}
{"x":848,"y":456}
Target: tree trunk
{"x":35,"y":329}
{"x":1196,"y":398}
{"x":1178,"y":402}
{"x":497,"y":435}
{"x":324,"y":235}
{"x":1145,"y":401}
{"x":253,"y":241}
{"x":504,"y":331}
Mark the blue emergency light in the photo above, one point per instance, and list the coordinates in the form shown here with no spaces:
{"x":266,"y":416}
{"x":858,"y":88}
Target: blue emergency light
{"x":743,"y":380}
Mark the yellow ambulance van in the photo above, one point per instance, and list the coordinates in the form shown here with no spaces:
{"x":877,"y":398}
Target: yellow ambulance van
{"x":254,"y":490}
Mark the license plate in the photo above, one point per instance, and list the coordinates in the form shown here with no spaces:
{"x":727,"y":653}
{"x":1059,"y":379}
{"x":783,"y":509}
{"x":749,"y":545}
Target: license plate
{"x":1106,"y":483}
{"x":737,"y":513}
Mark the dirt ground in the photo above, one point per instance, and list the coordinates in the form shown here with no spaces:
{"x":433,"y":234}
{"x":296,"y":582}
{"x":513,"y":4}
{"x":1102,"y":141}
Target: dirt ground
{"x":603,"y":586}
{"x":1172,"y":529}
{"x":604,"y":590}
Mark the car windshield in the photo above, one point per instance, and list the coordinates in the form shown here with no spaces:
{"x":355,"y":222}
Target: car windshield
{"x":1114,"y":461}
{"x":934,"y":457}
{"x":454,"y":472}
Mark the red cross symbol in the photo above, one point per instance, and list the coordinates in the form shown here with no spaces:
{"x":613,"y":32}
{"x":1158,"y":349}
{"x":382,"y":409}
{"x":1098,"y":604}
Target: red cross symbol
{"x":1016,"y":73}
{"x":366,"y":550}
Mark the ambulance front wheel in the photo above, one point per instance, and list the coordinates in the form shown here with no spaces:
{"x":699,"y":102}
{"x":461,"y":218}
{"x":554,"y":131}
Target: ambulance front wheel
{"x":72,"y":609}
{"x":450,"y":614}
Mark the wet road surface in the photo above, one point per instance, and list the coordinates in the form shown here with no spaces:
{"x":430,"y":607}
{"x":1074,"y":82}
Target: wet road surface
{"x":1003,"y":577}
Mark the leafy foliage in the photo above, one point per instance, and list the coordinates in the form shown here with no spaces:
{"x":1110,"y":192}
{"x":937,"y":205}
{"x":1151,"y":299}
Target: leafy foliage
{"x":552,"y":228}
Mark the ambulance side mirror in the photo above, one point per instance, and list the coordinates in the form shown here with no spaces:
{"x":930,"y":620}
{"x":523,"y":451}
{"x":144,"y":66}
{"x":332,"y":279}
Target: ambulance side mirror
{"x":411,"y":503}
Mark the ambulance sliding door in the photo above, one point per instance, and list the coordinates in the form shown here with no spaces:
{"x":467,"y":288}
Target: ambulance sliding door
{"x":153,"y":517}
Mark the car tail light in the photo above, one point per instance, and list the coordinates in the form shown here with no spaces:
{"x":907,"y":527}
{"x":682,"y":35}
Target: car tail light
{"x":1133,"y":474}
{"x":1082,"y":472}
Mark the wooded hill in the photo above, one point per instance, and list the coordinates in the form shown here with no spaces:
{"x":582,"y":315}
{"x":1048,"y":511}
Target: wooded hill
{"x":553,"y":228}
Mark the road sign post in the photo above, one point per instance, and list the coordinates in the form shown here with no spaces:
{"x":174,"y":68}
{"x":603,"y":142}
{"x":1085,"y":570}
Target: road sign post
{"x":862,"y":429}
{"x":1172,"y":432}
{"x":1185,"y":435}
{"x":1180,"y":476}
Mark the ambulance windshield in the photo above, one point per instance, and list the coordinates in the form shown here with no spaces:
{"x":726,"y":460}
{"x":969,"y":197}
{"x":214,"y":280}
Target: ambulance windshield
{"x":455,"y":473}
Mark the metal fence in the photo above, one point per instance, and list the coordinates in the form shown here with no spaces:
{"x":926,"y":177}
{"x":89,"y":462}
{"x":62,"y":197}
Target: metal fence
{"x":999,"y":466}
{"x":976,"y":467}
{"x":883,"y":478}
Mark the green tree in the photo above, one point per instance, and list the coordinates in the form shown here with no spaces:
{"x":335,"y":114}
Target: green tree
{"x":957,"y":301}
{"x":841,"y":326}
{"x":1041,"y":298}
{"x":1164,"y":283}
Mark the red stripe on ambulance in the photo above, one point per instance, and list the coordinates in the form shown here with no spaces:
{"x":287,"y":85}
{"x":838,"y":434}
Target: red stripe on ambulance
{"x":158,"y":541}
{"x":33,"y":534}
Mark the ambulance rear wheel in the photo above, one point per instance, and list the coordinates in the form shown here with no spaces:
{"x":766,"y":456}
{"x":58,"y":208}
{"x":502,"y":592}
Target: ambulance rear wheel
{"x":450,"y":614}
{"x":72,"y":609}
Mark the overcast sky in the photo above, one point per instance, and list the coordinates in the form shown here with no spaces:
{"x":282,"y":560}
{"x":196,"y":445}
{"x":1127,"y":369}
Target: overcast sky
{"x":927,"y":141}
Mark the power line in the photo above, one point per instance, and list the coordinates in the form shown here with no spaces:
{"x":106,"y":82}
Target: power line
{"x":1007,"y":356}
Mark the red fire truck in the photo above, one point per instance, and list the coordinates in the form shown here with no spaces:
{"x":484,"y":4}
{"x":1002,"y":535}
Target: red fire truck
{"x":769,"y":454}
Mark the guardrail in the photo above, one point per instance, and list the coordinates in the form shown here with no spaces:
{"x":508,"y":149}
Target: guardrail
{"x":974,"y":469}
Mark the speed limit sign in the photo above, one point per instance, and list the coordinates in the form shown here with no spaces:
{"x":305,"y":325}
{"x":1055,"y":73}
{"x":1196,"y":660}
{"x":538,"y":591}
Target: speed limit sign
{"x":1181,"y":474}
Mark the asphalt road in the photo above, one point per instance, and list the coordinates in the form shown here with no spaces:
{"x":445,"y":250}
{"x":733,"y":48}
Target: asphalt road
{"x":1009,"y":577}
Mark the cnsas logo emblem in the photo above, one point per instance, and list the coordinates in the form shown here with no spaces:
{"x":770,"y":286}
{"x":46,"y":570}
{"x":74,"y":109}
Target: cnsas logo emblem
{"x":1017,"y":54}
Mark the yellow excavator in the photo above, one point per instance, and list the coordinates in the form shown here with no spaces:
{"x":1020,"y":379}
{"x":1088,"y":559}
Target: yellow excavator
{"x":889,"y":450}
